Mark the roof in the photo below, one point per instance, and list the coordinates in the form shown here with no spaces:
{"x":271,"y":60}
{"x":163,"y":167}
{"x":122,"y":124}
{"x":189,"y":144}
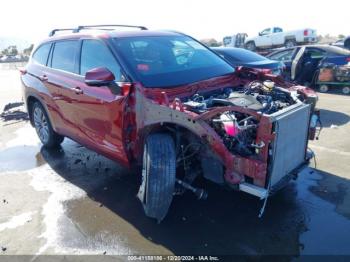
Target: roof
{"x":109,"y":34}
{"x":326,"y":47}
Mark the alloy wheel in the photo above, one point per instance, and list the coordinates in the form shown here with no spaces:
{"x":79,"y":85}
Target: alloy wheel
{"x":41,"y":125}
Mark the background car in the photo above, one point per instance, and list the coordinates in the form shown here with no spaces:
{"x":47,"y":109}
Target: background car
{"x":294,"y":59}
{"x":246,"y":58}
{"x":275,"y":36}
{"x":343,"y":43}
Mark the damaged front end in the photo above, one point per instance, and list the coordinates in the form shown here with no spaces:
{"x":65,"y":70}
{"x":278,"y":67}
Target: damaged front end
{"x":252,"y":137}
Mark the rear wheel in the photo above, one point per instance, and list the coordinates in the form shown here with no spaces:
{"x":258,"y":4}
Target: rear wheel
{"x":323,"y":88}
{"x":290,"y":43}
{"x":158,"y":175}
{"x":43,"y":127}
{"x":346,"y":90}
{"x":251,"y":46}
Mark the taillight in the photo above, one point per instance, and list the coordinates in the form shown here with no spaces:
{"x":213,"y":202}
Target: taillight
{"x":348,"y":59}
{"x":267,"y":71}
{"x":306,"y":32}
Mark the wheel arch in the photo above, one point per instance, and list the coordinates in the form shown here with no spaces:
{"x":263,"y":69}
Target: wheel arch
{"x":183,"y":136}
{"x":30,"y":101}
{"x":289,"y":37}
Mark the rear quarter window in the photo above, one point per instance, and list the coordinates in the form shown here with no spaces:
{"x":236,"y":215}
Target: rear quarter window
{"x":41,"y":54}
{"x":64,"y":54}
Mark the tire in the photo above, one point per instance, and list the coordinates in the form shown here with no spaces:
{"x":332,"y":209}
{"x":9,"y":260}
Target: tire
{"x":323,"y":88}
{"x":43,"y":127}
{"x":251,"y":46}
{"x":346,"y":90}
{"x":290,"y":43}
{"x":158,"y":175}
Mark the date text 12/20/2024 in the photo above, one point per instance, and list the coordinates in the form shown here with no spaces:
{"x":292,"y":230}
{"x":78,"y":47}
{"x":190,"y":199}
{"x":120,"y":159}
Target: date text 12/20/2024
{"x":173,"y":258}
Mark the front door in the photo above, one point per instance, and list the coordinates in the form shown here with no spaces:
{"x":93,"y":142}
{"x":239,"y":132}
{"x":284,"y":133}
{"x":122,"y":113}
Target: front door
{"x":264,"y":40}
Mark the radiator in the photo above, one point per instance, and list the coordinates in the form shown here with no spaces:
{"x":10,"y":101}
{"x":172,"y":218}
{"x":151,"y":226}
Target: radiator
{"x":289,"y":147}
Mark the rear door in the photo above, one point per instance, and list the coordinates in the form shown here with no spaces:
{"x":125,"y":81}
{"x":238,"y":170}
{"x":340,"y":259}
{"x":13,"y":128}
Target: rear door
{"x":60,"y":78}
{"x":99,"y":110}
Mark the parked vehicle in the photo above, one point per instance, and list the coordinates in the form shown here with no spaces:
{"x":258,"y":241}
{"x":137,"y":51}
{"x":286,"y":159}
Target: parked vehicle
{"x":242,"y":57}
{"x":275,"y":37}
{"x":345,"y":43}
{"x":331,"y":76}
{"x":236,"y":40}
{"x":302,"y":62}
{"x":164,"y":101}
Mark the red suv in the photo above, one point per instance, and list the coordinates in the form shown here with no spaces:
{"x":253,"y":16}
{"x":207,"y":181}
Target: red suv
{"x":164,"y":101}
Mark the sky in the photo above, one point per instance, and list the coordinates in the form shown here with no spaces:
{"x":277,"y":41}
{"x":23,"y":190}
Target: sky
{"x":32,"y":20}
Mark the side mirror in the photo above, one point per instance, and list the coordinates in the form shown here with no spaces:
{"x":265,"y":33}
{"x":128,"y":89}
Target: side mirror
{"x":260,"y":34}
{"x":99,"y":76}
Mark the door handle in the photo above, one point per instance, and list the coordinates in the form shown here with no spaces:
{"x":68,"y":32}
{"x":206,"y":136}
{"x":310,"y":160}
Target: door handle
{"x":77,"y":90}
{"x":43,"y":78}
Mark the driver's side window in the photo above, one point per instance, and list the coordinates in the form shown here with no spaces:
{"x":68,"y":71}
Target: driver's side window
{"x":95,"y":54}
{"x":266,"y":31}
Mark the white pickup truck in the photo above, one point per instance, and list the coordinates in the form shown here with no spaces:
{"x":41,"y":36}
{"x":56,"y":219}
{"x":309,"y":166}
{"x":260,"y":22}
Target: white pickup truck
{"x":275,"y":37}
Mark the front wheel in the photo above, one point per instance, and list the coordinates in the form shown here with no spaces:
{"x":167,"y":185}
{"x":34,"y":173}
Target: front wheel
{"x":158,"y":175}
{"x":251,"y":46}
{"x":323,"y":88}
{"x":43,"y":127}
{"x":290,"y":43}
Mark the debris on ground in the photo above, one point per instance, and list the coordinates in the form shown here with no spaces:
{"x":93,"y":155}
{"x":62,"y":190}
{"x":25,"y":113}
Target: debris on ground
{"x":14,"y":111}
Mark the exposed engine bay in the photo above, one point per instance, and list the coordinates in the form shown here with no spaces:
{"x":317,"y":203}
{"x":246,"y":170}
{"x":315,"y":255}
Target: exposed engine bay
{"x":238,"y":130}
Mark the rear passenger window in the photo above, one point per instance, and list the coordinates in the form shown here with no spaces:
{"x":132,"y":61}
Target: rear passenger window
{"x":41,"y":54}
{"x":63,"y":57}
{"x":95,"y":54}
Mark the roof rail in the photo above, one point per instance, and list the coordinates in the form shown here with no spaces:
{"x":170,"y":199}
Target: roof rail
{"x":103,"y":27}
{"x":62,"y":29}
{"x":98,"y":27}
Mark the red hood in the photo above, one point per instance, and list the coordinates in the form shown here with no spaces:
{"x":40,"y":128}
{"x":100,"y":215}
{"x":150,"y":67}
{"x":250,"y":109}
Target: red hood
{"x":240,"y":77}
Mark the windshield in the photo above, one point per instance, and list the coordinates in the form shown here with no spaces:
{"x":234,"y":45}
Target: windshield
{"x":240,"y":55}
{"x":167,"y":61}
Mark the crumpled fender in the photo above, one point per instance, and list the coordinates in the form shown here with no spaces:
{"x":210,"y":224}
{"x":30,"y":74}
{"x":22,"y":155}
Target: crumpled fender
{"x":149,"y":113}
